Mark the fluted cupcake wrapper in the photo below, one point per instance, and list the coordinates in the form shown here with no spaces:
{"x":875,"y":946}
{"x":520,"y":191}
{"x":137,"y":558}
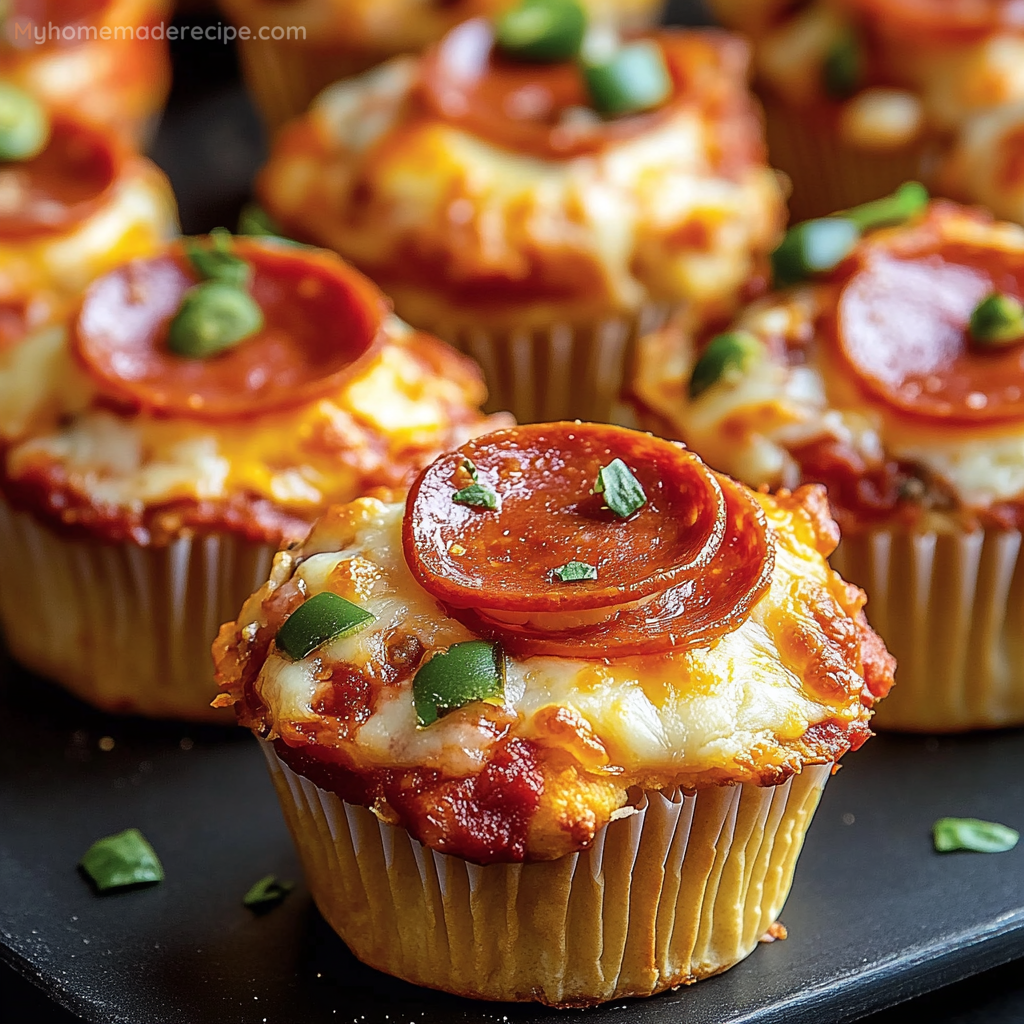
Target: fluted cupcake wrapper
{"x":284,"y":76}
{"x":561,"y":371}
{"x":950,"y":607}
{"x":125,"y":627}
{"x":681,"y":887}
{"x":827,"y":174}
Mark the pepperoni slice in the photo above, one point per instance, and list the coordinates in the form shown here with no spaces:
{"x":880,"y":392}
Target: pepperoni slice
{"x":322,"y":318}
{"x":523,"y":106}
{"x":67,"y":182}
{"x":944,"y":17}
{"x":901,"y":323}
{"x":685,"y":567}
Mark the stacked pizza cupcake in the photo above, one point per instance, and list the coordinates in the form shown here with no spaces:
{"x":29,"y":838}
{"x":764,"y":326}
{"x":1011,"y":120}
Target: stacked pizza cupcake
{"x":539,"y":193}
{"x":864,"y":94}
{"x":889,"y":366}
{"x":554,"y":727}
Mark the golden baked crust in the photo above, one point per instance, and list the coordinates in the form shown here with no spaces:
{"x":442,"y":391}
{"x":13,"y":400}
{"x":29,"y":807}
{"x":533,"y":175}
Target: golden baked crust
{"x":798,"y":415}
{"x":87,"y":470}
{"x":462,"y":231}
{"x":536,"y":777}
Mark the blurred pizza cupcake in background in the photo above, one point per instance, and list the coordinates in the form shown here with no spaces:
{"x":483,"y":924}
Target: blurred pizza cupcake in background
{"x":536,"y":205}
{"x":554,"y":728}
{"x":294,"y":50}
{"x":205,"y":405}
{"x":106,"y":61}
{"x":864,"y":94}
{"x":74,"y":202}
{"x":888,"y":366}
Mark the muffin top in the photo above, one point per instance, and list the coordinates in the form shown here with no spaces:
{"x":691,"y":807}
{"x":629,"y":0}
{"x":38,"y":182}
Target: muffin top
{"x":894,"y":373}
{"x":888,"y":72}
{"x":558,"y":613}
{"x":225,"y":384}
{"x":73,"y":203}
{"x":478,"y":184}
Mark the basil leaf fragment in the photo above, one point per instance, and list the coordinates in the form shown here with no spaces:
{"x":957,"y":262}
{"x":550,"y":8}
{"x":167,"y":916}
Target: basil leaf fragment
{"x":216,"y":261}
{"x":725,"y":359}
{"x":476,"y":495}
{"x":544,"y":31}
{"x":632,"y":80}
{"x":998,"y":320}
{"x":622,"y":491}
{"x":813,"y":247}
{"x":123,"y":859}
{"x":267,"y":893}
{"x":466,"y":672}
{"x":907,"y":201}
{"x":973,"y":834}
{"x":24,"y":125}
{"x":213,"y":316}
{"x":321,"y":619}
{"x":573,"y":571}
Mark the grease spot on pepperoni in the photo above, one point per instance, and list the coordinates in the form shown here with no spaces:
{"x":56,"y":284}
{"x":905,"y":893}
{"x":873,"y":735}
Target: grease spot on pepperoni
{"x":901,"y":323}
{"x":684,"y":569}
{"x":322,"y":318}
{"x":544,"y":109}
{"x":62,"y":186}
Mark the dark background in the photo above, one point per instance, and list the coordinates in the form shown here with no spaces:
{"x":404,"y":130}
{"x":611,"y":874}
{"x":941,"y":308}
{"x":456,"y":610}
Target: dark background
{"x":210,"y":143}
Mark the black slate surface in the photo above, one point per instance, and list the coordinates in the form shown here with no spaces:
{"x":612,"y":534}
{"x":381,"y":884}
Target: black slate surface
{"x":875,"y":916}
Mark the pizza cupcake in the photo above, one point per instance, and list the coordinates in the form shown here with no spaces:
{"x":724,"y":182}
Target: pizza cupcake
{"x":888,"y":366}
{"x":554,"y":728}
{"x":538,"y":215}
{"x":74,"y":202}
{"x":864,"y":94}
{"x":289,"y":52}
{"x":106,"y":61}
{"x":205,"y":405}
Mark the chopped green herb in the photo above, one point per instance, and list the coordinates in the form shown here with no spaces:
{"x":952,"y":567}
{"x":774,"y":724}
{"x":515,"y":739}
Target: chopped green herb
{"x":322,"y":618}
{"x":466,"y":672}
{"x":813,"y":247}
{"x":120,"y":860}
{"x":573,"y":571}
{"x":998,"y":320}
{"x":622,"y":491}
{"x":544,"y":31}
{"x":24,"y":125}
{"x":216,"y":261}
{"x":268,"y":892}
{"x":631,"y":80}
{"x":254,"y":220}
{"x":213,"y":316}
{"x":907,"y":201}
{"x":973,"y":834}
{"x":725,"y":359}
{"x":470,"y":468}
{"x":843,"y":67}
{"x":477,"y":496}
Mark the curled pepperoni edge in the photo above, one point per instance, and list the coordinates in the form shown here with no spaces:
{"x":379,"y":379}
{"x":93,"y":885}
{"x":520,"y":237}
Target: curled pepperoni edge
{"x":660,"y":625}
{"x":436,"y":478}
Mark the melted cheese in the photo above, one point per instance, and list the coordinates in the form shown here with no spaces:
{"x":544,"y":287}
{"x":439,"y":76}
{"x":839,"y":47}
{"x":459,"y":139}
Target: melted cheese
{"x":302,"y":458}
{"x":748,"y":428}
{"x":729,"y":708}
{"x":604,"y":231}
{"x":137,"y":217}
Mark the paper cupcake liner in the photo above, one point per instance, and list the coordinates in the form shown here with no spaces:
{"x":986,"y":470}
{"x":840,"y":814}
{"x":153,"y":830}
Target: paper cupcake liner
{"x":126,"y":628}
{"x":284,"y":77}
{"x":828,"y":175}
{"x":561,"y":371}
{"x":681,"y":888}
{"x":950,"y":607}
